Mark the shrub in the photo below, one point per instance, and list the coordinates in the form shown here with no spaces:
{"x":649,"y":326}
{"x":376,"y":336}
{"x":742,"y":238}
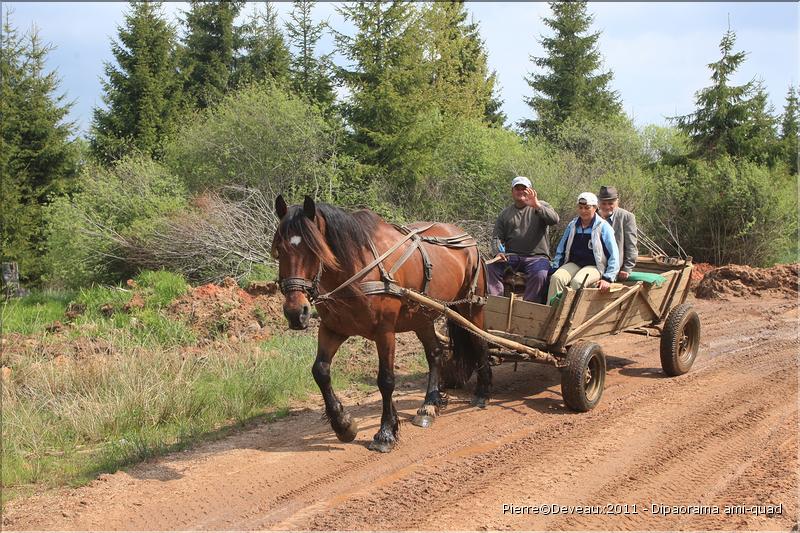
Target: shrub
{"x":259,"y":137}
{"x":87,"y":230}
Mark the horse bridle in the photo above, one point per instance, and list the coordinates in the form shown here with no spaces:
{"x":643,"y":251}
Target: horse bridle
{"x":309,"y":287}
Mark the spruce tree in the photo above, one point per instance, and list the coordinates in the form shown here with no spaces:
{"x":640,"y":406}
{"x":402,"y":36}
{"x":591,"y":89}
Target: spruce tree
{"x":142,"y":92}
{"x":386,"y":79}
{"x":209,"y":51}
{"x":39,"y":154}
{"x":790,"y":134}
{"x":311,"y":76}
{"x":571,"y":86}
{"x":265,"y":55}
{"x":461,"y":84}
{"x":730,"y":119}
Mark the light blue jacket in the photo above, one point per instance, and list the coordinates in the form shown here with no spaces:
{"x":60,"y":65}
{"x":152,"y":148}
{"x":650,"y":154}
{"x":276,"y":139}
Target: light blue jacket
{"x":602,"y":234}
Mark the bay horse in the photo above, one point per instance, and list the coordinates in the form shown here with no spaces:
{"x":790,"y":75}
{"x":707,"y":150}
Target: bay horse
{"x":362,"y":261}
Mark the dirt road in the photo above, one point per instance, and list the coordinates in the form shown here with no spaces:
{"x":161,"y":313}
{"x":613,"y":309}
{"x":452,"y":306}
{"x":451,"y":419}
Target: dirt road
{"x":724,"y":434}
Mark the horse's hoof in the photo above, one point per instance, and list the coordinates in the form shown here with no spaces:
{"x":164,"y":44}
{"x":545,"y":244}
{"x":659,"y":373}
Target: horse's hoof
{"x":478,"y":401}
{"x":423,"y":421}
{"x":349,"y":434}
{"x":380,"y":446}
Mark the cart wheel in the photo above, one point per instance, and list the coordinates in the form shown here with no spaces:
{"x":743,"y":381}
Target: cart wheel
{"x":583,"y":378}
{"x":680,"y":340}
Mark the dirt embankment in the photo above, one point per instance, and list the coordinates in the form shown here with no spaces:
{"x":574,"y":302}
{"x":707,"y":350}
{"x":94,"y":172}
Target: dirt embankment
{"x":744,"y":281}
{"x":227,"y":312}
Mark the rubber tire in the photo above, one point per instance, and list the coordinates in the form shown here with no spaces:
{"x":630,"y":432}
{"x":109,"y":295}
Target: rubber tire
{"x":675,"y":359}
{"x":573,"y":376}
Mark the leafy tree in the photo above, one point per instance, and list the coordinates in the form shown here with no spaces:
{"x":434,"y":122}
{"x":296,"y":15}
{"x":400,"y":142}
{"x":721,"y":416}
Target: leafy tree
{"x":209,"y":50}
{"x":259,"y":136}
{"x":790,"y":134}
{"x":730,"y":119}
{"x":39,"y":154}
{"x":266,"y":55}
{"x":311,"y":76}
{"x":571,"y":87}
{"x":142,"y":92}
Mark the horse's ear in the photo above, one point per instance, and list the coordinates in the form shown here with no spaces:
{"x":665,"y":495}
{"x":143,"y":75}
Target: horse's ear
{"x":280,"y":206}
{"x":309,"y":208}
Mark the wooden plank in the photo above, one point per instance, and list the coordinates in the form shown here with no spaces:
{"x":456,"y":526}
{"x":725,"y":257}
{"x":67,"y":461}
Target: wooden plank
{"x":638,"y":316}
{"x":615,"y":304}
{"x":533,"y":353}
{"x":517,"y":325}
{"x":560,"y":318}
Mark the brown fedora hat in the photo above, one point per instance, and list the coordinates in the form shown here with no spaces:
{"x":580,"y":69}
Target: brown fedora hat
{"x":608,"y":193}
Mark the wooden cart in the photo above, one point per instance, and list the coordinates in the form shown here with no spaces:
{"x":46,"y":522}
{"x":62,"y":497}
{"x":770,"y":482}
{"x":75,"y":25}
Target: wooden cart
{"x":562,"y":334}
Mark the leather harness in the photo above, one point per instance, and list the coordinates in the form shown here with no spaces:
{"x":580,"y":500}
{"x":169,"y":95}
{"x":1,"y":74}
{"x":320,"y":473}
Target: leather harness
{"x":387,"y":283}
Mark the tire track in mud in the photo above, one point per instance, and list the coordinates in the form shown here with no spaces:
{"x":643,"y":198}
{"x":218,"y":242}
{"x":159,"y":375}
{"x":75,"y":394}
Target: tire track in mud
{"x":461,"y":484}
{"x":725,"y":432}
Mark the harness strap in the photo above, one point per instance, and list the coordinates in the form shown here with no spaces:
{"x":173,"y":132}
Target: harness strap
{"x":361,"y":273}
{"x":384,"y":275}
{"x":428,"y":268}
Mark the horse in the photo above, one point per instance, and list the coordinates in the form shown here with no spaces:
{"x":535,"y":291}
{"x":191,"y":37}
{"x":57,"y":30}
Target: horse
{"x":320,"y":247}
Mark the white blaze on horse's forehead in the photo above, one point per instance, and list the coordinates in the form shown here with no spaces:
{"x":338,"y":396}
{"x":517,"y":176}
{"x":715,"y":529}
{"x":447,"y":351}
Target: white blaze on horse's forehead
{"x":295,"y":240}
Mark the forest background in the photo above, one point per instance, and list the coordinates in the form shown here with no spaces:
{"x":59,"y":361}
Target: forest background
{"x":204,"y":123}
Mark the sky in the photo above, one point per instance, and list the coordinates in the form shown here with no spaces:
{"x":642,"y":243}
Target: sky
{"x":658,"y":51}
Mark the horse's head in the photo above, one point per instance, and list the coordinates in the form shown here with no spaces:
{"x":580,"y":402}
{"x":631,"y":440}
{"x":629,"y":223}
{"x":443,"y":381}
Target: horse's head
{"x":301,"y":250}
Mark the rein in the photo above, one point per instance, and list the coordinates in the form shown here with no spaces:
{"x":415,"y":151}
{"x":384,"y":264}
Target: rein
{"x":388,"y":285}
{"x":311,"y":287}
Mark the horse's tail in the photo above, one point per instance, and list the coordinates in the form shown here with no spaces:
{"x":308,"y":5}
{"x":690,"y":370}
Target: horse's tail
{"x":462,"y":360}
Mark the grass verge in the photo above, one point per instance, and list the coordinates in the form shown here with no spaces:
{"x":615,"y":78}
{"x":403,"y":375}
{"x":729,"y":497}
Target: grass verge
{"x":139,"y":388}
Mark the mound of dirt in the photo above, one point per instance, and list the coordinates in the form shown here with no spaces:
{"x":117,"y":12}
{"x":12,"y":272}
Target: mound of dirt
{"x":228,"y":312}
{"x":699,"y":271}
{"x":738,"y":280}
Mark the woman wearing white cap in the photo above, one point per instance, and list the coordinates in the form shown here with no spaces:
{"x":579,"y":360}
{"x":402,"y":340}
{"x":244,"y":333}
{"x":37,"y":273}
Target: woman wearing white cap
{"x":587,"y":250}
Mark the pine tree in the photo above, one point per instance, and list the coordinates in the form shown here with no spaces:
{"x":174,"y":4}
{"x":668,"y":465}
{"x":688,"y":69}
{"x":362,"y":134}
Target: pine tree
{"x":761,"y":139}
{"x":730,"y":119}
{"x":209,"y":51}
{"x":790,"y":134}
{"x":387,"y":81}
{"x":571,"y":87}
{"x":717,"y":126}
{"x":461,"y":84}
{"x":265,"y":53}
{"x":39,"y":155}
{"x":142,"y":91}
{"x":311,"y":76}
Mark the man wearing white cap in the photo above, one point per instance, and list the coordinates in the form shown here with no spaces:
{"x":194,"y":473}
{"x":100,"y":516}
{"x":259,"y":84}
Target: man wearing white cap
{"x":520,"y":240}
{"x":587,"y":252}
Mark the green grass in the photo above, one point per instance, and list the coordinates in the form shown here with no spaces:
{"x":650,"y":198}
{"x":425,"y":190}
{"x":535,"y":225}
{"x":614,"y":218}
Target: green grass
{"x":29,"y":315}
{"x":146,"y":390}
{"x":65,"y":423}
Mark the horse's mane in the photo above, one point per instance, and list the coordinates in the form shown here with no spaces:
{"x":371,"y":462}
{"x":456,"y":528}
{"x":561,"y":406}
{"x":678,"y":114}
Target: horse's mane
{"x":346,"y":237}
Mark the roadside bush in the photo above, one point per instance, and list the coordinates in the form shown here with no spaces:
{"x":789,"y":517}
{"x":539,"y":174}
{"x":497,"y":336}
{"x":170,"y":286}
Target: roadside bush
{"x":85,"y":232}
{"x":728,"y":211}
{"x":259,"y":137}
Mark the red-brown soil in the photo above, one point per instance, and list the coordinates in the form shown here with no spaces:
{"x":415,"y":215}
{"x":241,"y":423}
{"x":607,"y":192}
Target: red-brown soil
{"x":699,"y":270}
{"x":228,"y":312}
{"x":744,"y":281}
{"x":723,"y":434}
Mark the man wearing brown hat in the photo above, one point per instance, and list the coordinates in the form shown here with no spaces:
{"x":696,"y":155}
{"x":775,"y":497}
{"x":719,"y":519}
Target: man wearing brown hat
{"x":624,"y":224}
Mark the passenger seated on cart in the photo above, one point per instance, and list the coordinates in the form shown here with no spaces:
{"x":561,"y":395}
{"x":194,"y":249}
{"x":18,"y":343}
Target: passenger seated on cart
{"x":520,"y":240}
{"x":587,"y":251}
{"x":625,"y":232}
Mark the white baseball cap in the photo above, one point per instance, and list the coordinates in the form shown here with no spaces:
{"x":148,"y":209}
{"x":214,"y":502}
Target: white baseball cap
{"x":587,"y":198}
{"x":520,"y":180}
